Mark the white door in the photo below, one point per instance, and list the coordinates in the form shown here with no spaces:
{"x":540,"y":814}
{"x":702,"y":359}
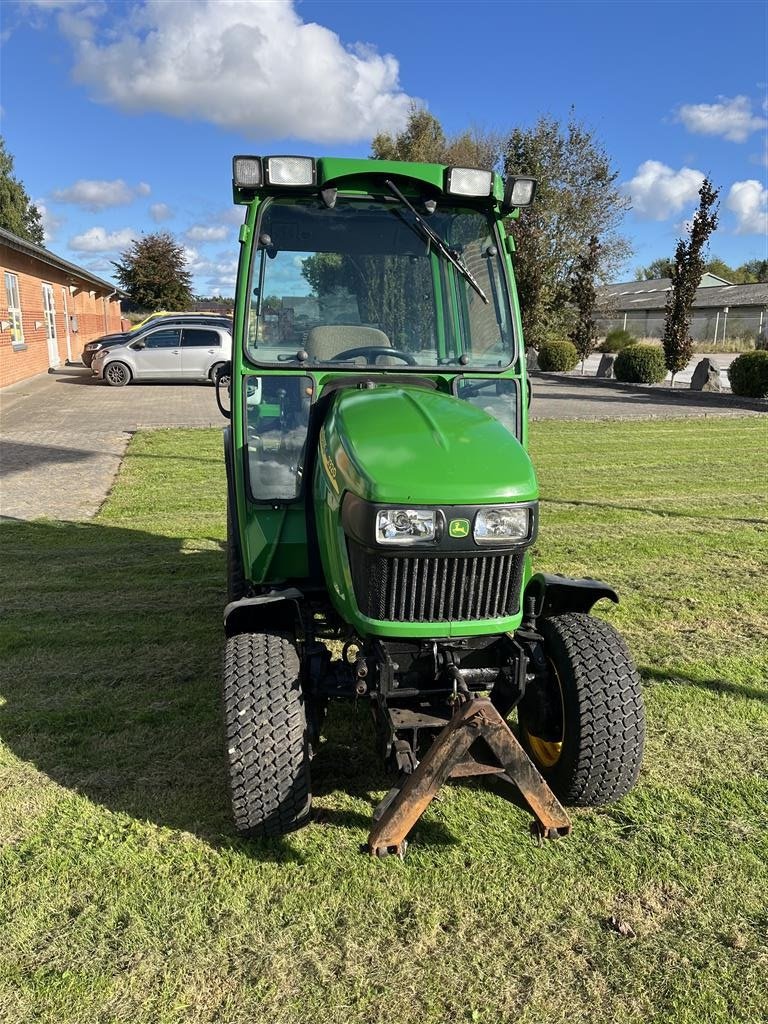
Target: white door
{"x":50,"y":325}
{"x":200,"y":349}
{"x":159,"y":354}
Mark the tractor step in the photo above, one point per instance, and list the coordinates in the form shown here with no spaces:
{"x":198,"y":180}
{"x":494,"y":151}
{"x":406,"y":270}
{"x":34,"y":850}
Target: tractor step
{"x":450,"y":757}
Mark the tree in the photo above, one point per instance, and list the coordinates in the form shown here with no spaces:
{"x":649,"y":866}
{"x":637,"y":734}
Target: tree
{"x":424,"y":141}
{"x":154,"y":273}
{"x":17,"y":211}
{"x":659,"y":268}
{"x":686,"y":278}
{"x":577,"y":198}
{"x":753,"y":272}
{"x":584,"y":295}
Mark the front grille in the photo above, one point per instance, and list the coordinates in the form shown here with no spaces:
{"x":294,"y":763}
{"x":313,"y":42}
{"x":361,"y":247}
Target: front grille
{"x":436,"y":588}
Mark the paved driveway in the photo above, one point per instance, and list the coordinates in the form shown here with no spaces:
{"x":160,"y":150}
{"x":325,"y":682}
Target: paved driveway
{"x":63,"y":435}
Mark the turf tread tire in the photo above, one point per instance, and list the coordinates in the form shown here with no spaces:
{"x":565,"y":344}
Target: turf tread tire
{"x":604,"y":730}
{"x":266,"y":735}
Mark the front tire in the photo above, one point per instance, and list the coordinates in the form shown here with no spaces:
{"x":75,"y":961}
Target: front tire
{"x":117,"y":375}
{"x":266,"y":735}
{"x":584,"y":726}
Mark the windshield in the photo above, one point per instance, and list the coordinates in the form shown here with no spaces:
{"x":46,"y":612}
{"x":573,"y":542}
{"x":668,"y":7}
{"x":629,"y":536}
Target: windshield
{"x":360,"y":284}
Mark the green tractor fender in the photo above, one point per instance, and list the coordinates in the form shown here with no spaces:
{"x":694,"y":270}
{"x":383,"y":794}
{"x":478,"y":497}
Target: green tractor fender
{"x":553,"y":594}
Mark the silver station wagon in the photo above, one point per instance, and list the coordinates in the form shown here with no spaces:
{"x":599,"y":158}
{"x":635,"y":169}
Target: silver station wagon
{"x":181,"y":352}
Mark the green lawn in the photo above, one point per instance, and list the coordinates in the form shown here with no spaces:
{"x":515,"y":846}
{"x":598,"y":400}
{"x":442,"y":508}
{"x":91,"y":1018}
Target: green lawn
{"x":124,"y":896}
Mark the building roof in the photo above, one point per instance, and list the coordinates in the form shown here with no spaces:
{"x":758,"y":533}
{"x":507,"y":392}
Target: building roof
{"x":630,"y":295}
{"x":46,"y":256}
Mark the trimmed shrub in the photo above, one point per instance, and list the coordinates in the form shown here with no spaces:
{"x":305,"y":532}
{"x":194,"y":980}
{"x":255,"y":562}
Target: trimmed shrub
{"x":748,"y":374}
{"x":640,"y":364}
{"x":558,"y":357}
{"x":616,"y":340}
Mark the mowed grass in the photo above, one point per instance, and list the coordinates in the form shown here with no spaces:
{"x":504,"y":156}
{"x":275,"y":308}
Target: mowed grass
{"x":125,"y":897}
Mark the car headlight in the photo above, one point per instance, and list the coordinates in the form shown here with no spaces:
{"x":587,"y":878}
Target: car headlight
{"x":502,"y":525}
{"x":405,"y":525}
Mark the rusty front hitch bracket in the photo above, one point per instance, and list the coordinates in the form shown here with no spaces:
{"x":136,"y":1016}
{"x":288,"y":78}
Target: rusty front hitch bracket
{"x":450,"y":757}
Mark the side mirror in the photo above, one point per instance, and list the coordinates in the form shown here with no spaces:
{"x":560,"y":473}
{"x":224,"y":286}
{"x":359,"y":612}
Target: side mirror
{"x":139,"y":345}
{"x":223,"y":382}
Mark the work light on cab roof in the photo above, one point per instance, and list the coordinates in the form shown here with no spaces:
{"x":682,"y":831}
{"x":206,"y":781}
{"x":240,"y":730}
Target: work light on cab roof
{"x":255,"y":172}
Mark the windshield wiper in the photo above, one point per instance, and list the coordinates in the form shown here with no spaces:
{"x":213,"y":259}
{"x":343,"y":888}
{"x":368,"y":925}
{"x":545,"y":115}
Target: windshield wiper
{"x":422,"y":228}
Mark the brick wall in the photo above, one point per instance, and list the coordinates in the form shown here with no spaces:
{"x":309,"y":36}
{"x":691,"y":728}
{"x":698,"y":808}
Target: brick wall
{"x":79,"y":307}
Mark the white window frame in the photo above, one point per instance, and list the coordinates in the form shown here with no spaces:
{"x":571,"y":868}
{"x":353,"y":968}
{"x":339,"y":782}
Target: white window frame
{"x":14,"y":309}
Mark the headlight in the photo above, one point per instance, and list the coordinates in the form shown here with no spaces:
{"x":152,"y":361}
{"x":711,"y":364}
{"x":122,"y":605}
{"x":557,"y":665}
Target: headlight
{"x":405,"y":525}
{"x":468,"y":181}
{"x":502,"y":525}
{"x":291,"y":170}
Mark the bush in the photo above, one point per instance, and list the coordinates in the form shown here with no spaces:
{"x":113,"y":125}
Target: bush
{"x":748,"y":374}
{"x":558,"y":357}
{"x":640,"y":364}
{"x":616,"y":340}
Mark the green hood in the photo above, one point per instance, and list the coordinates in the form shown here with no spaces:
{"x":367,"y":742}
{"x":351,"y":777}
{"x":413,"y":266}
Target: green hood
{"x":410,"y":445}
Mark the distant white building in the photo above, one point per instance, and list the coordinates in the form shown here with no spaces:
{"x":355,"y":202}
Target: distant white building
{"x":720,"y":310}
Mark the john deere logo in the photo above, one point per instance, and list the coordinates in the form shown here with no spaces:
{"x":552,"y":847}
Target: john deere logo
{"x":459,"y":528}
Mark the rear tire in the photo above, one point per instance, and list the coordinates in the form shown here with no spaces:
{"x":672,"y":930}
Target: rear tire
{"x":266,"y":735}
{"x":591,"y":746}
{"x":117,"y":375}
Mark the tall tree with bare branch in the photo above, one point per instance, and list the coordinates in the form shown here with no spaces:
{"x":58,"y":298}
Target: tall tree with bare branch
{"x":686,"y":277}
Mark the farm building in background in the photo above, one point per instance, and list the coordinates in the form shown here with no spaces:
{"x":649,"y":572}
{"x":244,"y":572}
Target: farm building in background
{"x":720,"y":310}
{"x":49,"y":308}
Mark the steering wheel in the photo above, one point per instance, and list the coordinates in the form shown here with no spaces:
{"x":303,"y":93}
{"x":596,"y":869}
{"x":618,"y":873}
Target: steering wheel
{"x":375,"y":351}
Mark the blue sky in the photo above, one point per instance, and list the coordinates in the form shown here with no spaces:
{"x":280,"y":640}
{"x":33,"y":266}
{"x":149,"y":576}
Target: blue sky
{"x":123,"y":117}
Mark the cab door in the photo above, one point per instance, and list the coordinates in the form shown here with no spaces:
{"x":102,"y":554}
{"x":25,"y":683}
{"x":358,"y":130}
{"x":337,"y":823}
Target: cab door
{"x":200,"y":349}
{"x":159,"y":354}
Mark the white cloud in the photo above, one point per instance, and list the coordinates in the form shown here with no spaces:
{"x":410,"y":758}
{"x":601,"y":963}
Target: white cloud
{"x":731,"y":118}
{"x":255,"y":68}
{"x":658,"y":191}
{"x":99,"y":195}
{"x":207,"y":233}
{"x":98,"y":239}
{"x":232,"y":215}
{"x":160,"y":212}
{"x":748,"y":200}
{"x":51,"y":223}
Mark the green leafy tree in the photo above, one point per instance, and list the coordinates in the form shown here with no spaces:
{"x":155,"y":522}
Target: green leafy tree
{"x":424,"y":141}
{"x":660,"y":268}
{"x":17,"y":211}
{"x":577,"y":198}
{"x":153,"y":271}
{"x":686,"y":278}
{"x":753,"y":272}
{"x":584,"y":295}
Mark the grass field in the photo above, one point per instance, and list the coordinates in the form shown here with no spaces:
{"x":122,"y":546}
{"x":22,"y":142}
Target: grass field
{"x":124,"y":896}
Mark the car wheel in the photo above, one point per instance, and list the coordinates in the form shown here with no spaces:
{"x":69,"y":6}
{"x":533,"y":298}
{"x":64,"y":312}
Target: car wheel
{"x":225,"y":380}
{"x":117,"y":375}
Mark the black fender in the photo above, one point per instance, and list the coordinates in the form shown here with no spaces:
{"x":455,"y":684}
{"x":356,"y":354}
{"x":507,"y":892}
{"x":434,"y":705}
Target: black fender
{"x":553,"y":594}
{"x":229,"y":463}
{"x":278,"y":609}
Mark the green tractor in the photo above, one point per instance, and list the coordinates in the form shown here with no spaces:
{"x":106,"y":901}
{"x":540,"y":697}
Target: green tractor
{"x":382,"y":506}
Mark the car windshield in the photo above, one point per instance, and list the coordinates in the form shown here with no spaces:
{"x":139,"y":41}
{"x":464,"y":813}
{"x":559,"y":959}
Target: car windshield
{"x":361,"y":284}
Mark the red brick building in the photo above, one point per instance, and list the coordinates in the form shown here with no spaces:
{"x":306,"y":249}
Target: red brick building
{"x":49,"y":308}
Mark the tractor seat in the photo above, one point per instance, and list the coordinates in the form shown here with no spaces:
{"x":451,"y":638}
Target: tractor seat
{"x":323,"y":343}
